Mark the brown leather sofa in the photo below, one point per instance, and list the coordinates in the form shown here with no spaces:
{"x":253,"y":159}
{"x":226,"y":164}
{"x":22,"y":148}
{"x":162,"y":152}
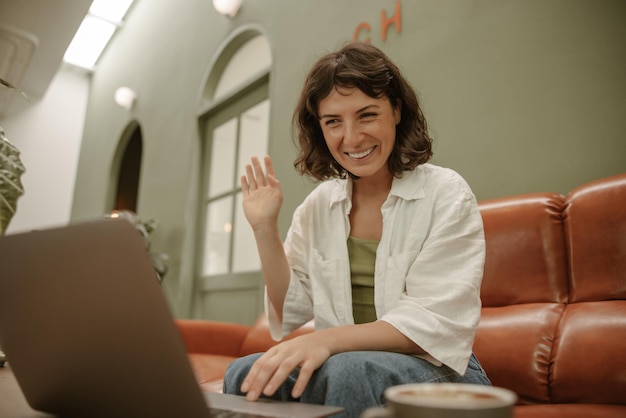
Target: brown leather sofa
{"x":553,"y":325}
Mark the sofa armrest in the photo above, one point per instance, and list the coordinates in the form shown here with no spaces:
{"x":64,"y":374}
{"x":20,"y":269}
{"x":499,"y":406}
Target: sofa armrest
{"x":212,"y":337}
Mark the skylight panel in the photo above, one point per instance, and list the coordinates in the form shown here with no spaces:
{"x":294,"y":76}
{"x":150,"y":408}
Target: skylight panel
{"x":92,"y":37}
{"x":95,"y":32}
{"x":111,"y":10}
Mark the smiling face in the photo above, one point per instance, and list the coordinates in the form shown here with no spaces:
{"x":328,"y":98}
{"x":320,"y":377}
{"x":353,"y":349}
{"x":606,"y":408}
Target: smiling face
{"x":360,"y":131}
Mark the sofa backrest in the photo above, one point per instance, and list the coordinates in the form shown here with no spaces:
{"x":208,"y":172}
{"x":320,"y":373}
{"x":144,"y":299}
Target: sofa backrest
{"x":590,"y":348}
{"x":553,"y":325}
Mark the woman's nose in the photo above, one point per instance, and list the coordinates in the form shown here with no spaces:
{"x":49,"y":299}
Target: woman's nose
{"x":352,"y":134}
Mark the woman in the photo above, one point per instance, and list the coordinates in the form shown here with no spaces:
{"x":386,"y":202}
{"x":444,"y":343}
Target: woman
{"x":386,"y":254}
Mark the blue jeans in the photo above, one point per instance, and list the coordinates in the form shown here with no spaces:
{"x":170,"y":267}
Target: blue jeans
{"x":356,"y":380}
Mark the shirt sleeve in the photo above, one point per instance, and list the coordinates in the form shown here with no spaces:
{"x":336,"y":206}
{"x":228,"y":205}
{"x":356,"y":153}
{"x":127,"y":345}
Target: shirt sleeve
{"x":440,"y":306}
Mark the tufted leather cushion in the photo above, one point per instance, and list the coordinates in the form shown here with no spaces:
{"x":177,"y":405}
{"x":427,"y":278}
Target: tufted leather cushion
{"x":595,"y":226}
{"x":525,"y":260}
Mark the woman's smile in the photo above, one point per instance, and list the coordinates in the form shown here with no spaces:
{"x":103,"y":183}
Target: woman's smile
{"x":362,"y":154}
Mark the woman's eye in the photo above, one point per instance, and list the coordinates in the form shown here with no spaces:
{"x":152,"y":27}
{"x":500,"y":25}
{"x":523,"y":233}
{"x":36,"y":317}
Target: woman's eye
{"x":331,"y":122}
{"x":369,"y":115}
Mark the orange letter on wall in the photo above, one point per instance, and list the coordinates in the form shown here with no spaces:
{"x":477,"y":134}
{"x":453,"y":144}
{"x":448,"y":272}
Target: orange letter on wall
{"x":362,"y":26}
{"x":395,"y":19}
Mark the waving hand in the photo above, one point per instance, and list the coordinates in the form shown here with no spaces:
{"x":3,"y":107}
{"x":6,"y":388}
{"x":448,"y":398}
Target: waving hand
{"x":262,"y":194}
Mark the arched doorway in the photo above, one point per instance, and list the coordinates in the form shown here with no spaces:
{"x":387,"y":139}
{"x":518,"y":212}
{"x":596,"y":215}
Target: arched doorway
{"x":129,"y":156}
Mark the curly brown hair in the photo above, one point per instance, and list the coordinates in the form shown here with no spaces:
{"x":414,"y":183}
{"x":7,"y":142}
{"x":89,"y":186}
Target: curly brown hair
{"x":363,"y":66}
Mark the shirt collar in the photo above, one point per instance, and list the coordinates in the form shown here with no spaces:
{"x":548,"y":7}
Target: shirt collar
{"x":341,"y":191}
{"x":409,"y":187}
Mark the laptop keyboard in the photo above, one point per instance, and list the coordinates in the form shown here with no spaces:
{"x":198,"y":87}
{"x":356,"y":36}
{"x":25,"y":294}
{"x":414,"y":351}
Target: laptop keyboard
{"x":223,"y":413}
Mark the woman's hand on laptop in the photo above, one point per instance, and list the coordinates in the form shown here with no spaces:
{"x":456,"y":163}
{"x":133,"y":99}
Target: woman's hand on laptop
{"x":307,"y":352}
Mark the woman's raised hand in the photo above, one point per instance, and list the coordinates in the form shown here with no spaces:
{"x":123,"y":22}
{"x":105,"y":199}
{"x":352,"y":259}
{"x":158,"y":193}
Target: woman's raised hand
{"x":262,"y":194}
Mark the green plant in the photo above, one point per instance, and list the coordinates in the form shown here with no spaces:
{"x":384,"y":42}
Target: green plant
{"x":11,"y":170}
{"x":145,"y":228}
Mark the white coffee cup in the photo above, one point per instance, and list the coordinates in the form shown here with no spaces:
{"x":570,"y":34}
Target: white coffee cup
{"x":445,"y":400}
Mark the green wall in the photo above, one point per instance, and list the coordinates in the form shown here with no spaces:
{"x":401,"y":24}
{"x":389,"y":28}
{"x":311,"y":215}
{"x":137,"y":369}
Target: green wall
{"x":521,"y":96}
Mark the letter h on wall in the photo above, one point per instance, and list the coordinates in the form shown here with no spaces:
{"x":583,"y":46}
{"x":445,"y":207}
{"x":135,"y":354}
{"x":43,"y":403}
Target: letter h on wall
{"x":385,"y":22}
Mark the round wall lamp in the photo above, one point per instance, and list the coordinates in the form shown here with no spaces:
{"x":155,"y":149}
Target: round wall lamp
{"x":227,"y":7}
{"x":125,"y":97}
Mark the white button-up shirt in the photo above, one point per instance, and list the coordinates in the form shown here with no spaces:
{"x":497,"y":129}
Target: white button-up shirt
{"x":429,"y":263}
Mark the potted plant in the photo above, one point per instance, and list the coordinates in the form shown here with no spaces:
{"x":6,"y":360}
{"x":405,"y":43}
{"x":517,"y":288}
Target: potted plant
{"x":11,"y":170}
{"x":145,"y":228}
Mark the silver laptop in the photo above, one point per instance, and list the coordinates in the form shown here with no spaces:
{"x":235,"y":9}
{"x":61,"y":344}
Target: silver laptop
{"x":88,"y":333}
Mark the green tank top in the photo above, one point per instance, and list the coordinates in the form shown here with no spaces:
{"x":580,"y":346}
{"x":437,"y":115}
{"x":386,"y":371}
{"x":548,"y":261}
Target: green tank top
{"x":362,"y":253}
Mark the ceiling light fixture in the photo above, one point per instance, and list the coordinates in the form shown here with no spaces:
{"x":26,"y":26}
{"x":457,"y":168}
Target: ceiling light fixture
{"x":227,"y":7}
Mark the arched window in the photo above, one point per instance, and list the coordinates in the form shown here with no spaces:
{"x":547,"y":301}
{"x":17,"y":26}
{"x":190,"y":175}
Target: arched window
{"x":234,"y":127}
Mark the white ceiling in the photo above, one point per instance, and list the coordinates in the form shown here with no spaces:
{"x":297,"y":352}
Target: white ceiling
{"x":34,"y":35}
